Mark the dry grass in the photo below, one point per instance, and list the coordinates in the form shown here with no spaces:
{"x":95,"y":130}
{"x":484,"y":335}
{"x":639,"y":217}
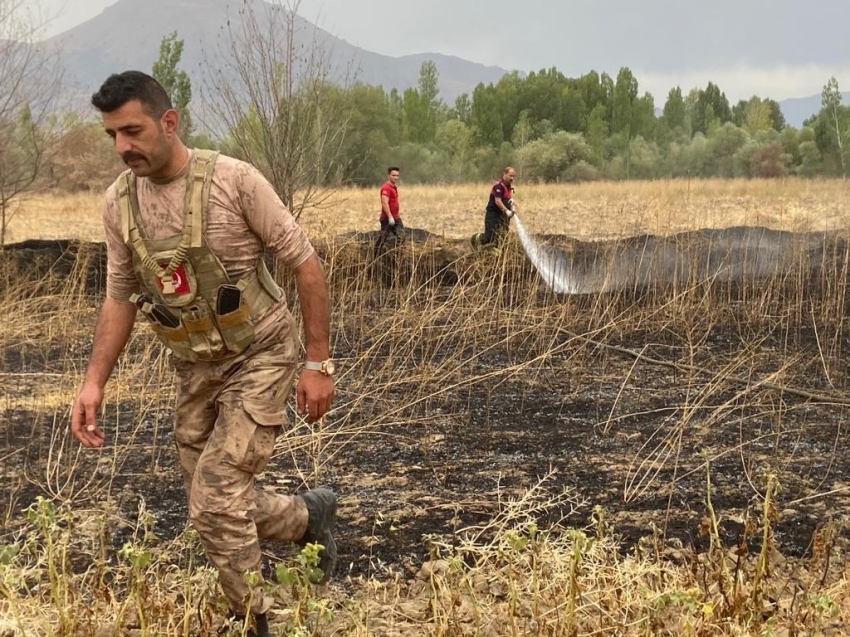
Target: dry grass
{"x":61,"y":575}
{"x":606,"y":210}
{"x":586,"y":211}
{"x":52,"y":216}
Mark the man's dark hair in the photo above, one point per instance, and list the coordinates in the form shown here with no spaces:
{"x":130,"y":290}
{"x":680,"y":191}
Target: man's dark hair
{"x":120,"y":88}
{"x":392,"y":168}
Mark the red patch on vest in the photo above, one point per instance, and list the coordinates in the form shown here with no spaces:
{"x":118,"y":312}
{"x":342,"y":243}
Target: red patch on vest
{"x":178,"y":279}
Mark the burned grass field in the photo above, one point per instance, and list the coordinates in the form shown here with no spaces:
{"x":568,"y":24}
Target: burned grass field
{"x":655,"y":459}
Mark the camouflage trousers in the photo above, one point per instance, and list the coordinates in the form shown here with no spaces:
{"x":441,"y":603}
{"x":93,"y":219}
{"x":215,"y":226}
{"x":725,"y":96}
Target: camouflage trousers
{"x":229,"y":414}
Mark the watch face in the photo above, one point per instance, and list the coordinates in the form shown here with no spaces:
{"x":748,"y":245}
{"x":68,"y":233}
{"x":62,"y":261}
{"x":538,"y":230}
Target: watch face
{"x":330,"y":368}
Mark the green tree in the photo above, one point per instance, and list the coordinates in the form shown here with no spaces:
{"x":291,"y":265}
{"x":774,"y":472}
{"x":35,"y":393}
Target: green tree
{"x":463,"y":108}
{"x":644,"y":121}
{"x":776,"y":115}
{"x":456,"y":140}
{"x":422,"y":106}
{"x":758,"y":116}
{"x":593,"y":91}
{"x":727,"y":140}
{"x":523,"y":134}
{"x":622,"y":116}
{"x":711,"y":123}
{"x":811,"y":160}
{"x":429,"y":84}
{"x":372,"y":131}
{"x":523,"y":131}
{"x":691,"y":112}
{"x":606,"y":83}
{"x":175,"y":82}
{"x":396,"y":104}
{"x":508,"y":93}
{"x":674,"y":110}
{"x":417,"y":127}
{"x":542,"y":94}
{"x":644,"y":161}
{"x":597,"y":131}
{"x":572,"y":115}
{"x":835,"y":116}
{"x":486,"y":117}
{"x":625,"y":94}
{"x":552,"y":158}
{"x":791,"y":138}
{"x":719,"y":113}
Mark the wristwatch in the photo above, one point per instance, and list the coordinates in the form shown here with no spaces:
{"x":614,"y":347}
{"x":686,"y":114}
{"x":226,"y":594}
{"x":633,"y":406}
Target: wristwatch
{"x":326,"y":367}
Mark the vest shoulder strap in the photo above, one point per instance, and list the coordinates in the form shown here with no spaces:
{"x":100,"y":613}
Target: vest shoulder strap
{"x":126,"y":192}
{"x":195,"y":207}
{"x":198,"y":192}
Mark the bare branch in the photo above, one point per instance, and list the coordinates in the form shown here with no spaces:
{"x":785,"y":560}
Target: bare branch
{"x":30,"y":84}
{"x":273,"y":89}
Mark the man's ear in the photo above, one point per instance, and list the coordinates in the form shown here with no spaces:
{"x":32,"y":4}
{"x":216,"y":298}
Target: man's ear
{"x":170,"y":120}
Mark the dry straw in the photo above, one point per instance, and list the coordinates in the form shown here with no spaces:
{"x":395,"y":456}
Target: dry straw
{"x":692,"y":356}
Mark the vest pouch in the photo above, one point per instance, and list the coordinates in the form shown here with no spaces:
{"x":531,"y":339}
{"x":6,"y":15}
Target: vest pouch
{"x":204,"y":337}
{"x":176,"y":339}
{"x":170,"y":332}
{"x":235,"y":326}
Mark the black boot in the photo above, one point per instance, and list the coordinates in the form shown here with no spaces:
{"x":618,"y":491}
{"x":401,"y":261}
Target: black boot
{"x":261,"y":625}
{"x":321,"y":512}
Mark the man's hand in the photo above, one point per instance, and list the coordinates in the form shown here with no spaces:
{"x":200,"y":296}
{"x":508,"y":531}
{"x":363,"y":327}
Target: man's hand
{"x":315,"y":390}
{"x":84,"y":418}
{"x":315,"y":393}
{"x":391,"y":220}
{"x":114,"y":325}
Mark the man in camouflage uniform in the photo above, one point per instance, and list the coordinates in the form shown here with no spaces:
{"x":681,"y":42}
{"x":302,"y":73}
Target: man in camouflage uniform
{"x":185,"y":234}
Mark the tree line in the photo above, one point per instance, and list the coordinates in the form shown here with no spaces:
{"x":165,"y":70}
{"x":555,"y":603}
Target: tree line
{"x":557,"y":128}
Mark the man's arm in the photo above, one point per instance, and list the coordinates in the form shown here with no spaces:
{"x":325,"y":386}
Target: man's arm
{"x":315,"y":390}
{"x":114,"y":326}
{"x":385,"y":206}
{"x":269,"y":219}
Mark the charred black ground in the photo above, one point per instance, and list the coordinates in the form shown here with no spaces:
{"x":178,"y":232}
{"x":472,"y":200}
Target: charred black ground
{"x":584,"y":416}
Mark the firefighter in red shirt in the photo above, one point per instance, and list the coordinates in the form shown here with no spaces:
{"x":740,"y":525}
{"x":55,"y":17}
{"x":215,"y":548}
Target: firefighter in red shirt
{"x":391,"y":223}
{"x":390,"y":219}
{"x":500,"y":209}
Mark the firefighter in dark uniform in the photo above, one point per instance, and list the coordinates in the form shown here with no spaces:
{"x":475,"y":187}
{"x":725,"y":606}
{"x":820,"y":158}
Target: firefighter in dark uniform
{"x":500,"y":209}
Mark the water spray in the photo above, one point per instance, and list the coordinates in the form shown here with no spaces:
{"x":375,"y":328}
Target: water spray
{"x":552,"y":264}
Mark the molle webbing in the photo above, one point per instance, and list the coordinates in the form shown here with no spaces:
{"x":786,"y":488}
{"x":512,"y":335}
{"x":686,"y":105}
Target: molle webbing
{"x":198,"y":184}
{"x":188,"y":286}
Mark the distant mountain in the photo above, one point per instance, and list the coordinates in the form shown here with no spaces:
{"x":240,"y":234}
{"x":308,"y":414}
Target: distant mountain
{"x":798,"y":109}
{"x":127,"y":35}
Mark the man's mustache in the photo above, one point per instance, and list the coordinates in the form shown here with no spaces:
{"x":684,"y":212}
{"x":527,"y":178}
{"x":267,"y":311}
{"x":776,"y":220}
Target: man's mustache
{"x":130,"y":156}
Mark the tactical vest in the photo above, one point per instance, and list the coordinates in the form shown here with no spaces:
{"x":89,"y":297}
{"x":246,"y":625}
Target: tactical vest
{"x":191,"y":303}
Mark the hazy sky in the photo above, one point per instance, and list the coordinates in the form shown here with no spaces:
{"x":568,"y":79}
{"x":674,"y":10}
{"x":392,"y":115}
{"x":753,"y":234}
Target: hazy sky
{"x":776,"y":48}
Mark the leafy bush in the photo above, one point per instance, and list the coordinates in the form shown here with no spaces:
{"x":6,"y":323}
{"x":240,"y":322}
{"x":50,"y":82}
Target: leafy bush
{"x":550,"y":158}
